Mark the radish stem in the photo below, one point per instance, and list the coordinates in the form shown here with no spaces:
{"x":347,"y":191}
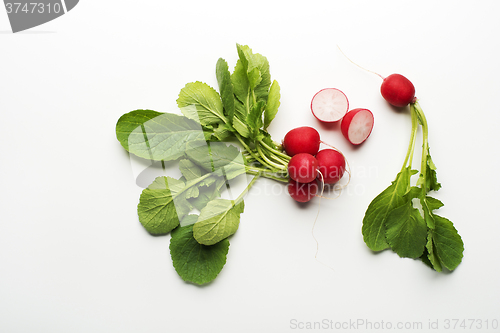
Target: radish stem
{"x":284,"y":156}
{"x":277,"y":166}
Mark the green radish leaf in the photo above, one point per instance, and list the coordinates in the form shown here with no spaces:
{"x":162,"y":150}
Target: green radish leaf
{"x":189,"y":170}
{"x":241,"y":128}
{"x":200,"y":102}
{"x":192,"y":192}
{"x":269,"y":141}
{"x":218,"y":158}
{"x":431,"y":253}
{"x":130,"y":122}
{"x":225,"y":88}
{"x":243,"y":100}
{"x":252,"y":71}
{"x":406,"y":231}
{"x":433,"y":203}
{"x":251,"y":82}
{"x":432,"y":183}
{"x":449,"y":246}
{"x":262,"y":88}
{"x":218,"y":220}
{"x":163,"y":204}
{"x":193,"y":261}
{"x":157,"y":136}
{"x":189,"y":220}
{"x":257,"y":68}
{"x":208,"y":194}
{"x":429,"y":204}
{"x":273,"y":102}
{"x":241,"y":88}
{"x":254,"y":118}
{"x":425,"y":258}
{"x":223,"y":132}
{"x":413,"y":192}
{"x":374,"y":229}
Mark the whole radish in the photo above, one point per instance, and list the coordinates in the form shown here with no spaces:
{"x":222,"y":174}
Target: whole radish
{"x":301,"y":140}
{"x":303,"y":168}
{"x":331,"y":165}
{"x":302,"y":192}
{"x":397,"y":90}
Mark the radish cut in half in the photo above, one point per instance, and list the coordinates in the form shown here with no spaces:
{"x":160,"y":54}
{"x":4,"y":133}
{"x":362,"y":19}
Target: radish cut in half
{"x":329,"y":105}
{"x":357,"y":125}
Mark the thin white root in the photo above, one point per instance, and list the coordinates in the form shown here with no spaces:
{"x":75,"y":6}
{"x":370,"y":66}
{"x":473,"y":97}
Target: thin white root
{"x":314,"y":224}
{"x":383,"y":78}
{"x":317,"y":214}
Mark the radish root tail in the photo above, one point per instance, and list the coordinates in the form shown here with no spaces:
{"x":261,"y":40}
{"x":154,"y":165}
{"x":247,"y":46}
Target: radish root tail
{"x":383,"y":78}
{"x":314,"y":224}
{"x":317,"y":214}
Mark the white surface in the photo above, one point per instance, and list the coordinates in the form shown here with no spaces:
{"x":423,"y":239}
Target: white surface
{"x":73,"y":256}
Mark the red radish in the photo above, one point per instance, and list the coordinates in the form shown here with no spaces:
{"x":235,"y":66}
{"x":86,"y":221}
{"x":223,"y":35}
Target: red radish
{"x":331,"y":164}
{"x":303,"y":168}
{"x":301,"y":140}
{"x":302,"y":192}
{"x":397,"y":90}
{"x":329,"y":105}
{"x":357,"y":125}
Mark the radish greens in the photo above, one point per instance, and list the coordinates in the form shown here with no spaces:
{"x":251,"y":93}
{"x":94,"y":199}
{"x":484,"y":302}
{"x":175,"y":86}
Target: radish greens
{"x":191,"y":208}
{"x":392,"y":221}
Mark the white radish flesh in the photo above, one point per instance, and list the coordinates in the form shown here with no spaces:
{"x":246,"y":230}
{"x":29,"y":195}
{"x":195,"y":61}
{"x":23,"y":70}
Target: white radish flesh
{"x":357,"y":125}
{"x":329,"y":105}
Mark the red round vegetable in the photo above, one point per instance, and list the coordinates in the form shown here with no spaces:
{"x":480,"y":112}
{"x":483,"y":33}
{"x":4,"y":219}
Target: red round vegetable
{"x":301,"y":140}
{"x":331,"y":164}
{"x":397,"y":90}
{"x":357,"y":125}
{"x":303,"y":168}
{"x":302,"y":192}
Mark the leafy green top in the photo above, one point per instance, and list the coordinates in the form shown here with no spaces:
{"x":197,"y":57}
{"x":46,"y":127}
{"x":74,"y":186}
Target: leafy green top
{"x":392,"y":221}
{"x":242,"y":110}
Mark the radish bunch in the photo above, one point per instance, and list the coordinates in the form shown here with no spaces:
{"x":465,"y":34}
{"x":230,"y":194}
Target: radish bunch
{"x":309,"y":164}
{"x":391,"y":220}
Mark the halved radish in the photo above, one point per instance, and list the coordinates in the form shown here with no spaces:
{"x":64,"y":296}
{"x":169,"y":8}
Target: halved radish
{"x":329,"y":105}
{"x":357,"y":125}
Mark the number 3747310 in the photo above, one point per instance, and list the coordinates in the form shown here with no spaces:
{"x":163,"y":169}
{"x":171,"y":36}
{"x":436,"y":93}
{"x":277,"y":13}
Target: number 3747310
{"x":479,"y":324}
{"x":32,"y":7}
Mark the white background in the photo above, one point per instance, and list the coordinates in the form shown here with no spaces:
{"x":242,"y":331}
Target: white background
{"x":73,"y":255}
